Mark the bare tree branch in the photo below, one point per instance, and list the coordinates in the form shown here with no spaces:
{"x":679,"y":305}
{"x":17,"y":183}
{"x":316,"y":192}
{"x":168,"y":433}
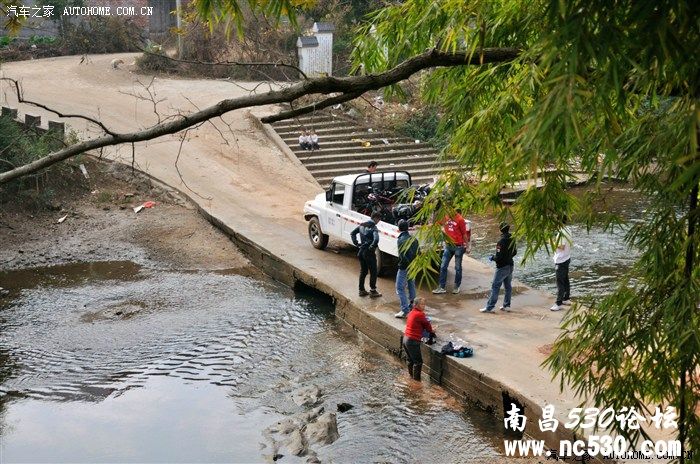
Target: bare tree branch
{"x":150,"y":90}
{"x":21,"y":99}
{"x":273,"y":64}
{"x":322,"y":85}
{"x":343,"y":97}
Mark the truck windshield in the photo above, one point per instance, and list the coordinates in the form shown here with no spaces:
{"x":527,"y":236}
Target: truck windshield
{"x":379,"y":192}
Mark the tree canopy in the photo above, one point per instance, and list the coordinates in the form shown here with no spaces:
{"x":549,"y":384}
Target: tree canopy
{"x":541,"y":89}
{"x":607,"y":88}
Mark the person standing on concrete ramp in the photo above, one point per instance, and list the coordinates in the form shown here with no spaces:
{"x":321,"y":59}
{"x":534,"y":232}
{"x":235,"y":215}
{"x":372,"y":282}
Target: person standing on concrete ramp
{"x":369,"y":239}
{"x":408,"y":249}
{"x":457,"y":242}
{"x":562,"y":259}
{"x":416,"y":323}
{"x":505,"y":251}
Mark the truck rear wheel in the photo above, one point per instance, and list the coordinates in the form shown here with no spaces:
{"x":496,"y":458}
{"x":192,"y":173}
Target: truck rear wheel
{"x":386,"y":263}
{"x":318,"y":239}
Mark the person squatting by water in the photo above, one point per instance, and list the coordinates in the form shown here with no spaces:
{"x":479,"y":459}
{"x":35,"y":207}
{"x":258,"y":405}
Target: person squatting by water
{"x":505,"y":251}
{"x":369,"y":239}
{"x":457,"y":242}
{"x":408,"y":249}
{"x":416,"y":323}
{"x":562,"y":259}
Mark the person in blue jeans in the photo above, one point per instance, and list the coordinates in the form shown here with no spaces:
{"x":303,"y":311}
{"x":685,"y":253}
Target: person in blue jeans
{"x":457,"y":242}
{"x":505,"y":251}
{"x":408,"y":249}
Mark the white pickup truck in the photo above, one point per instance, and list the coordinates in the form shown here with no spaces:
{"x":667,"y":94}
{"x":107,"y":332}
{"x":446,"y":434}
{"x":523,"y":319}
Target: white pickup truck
{"x":348,"y":203}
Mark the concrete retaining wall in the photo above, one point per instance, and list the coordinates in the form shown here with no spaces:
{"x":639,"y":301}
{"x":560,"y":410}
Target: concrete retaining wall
{"x":33,"y":122}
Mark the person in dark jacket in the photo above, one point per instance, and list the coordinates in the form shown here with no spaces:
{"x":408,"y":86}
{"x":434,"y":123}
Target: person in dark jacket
{"x":416,"y":323}
{"x":369,"y":239}
{"x":408,"y":249}
{"x":505,"y":250}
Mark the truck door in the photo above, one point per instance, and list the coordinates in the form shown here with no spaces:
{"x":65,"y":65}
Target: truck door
{"x":334,"y":225}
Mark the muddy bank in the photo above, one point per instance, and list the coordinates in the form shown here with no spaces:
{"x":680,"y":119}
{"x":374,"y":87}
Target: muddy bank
{"x":101,"y":225}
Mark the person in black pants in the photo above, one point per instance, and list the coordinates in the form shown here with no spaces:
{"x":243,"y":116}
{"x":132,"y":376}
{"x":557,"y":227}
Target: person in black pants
{"x":369,"y":239}
{"x":562,"y":259}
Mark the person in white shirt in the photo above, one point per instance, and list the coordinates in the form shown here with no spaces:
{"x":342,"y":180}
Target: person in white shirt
{"x":562,"y":259}
{"x":313,"y":140}
{"x":305,"y":141}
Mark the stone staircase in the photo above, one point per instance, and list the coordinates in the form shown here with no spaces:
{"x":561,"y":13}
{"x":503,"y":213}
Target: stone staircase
{"x":344,"y":151}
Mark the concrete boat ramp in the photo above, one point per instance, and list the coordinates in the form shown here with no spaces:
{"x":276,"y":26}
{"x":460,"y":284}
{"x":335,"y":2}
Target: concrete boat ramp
{"x":253,"y":191}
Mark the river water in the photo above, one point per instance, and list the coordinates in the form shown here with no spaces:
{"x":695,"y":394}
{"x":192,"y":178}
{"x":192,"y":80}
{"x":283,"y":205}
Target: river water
{"x":598,"y":256}
{"x":113,"y":362}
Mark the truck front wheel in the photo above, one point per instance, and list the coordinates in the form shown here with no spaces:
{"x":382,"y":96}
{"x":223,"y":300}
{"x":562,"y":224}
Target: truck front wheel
{"x":318,"y":239}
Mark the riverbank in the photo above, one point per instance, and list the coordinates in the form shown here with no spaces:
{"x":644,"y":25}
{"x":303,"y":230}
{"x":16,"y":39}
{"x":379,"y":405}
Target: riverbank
{"x":96,"y":222}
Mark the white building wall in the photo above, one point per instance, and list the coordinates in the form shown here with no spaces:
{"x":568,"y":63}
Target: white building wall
{"x":325,"y":52}
{"x":316,"y":61}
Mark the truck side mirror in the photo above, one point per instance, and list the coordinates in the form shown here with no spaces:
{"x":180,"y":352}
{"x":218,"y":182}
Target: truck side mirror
{"x":329,"y":195}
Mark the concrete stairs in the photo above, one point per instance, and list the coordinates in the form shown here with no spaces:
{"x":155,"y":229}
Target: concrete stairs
{"x":344,"y":149}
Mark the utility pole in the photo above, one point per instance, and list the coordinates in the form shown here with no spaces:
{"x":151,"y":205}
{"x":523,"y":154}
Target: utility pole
{"x":178,"y":11}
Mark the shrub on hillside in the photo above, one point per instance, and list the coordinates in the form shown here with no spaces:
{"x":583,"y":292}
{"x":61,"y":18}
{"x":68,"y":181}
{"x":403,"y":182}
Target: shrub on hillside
{"x":18,"y":147}
{"x":154,"y":60}
{"x":423,"y":125}
{"x":101,"y":34}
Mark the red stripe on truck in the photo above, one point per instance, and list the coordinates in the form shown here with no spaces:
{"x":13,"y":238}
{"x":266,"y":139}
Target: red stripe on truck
{"x":350,"y":219}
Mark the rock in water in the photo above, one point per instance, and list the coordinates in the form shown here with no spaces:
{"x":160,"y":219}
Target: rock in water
{"x":324,"y":430}
{"x":306,"y":396}
{"x":285,"y":426}
{"x":311,"y":415}
{"x":344,"y":407}
{"x":296,"y":443}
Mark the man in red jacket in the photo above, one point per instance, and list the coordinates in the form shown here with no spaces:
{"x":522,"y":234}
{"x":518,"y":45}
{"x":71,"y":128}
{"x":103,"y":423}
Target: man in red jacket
{"x":416,"y":323}
{"x":457,"y":243}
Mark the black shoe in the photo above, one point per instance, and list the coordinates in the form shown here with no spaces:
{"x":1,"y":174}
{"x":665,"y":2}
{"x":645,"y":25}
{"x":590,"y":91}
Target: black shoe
{"x":363,"y":292}
{"x":374,"y":294}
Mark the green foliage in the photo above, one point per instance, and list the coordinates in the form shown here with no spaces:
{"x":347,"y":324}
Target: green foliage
{"x":424,"y":125}
{"x":6,"y":40}
{"x":605,"y":88}
{"x":233,"y":12}
{"x":19,"y":147}
{"x":41,"y":40}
